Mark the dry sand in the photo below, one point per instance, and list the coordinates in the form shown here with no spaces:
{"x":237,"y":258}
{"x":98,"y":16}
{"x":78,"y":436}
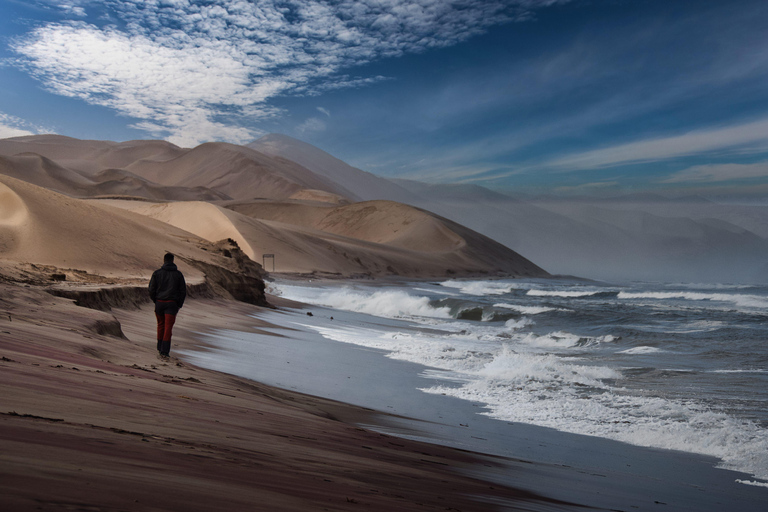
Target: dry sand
{"x":94,"y":421}
{"x":374,"y":238}
{"x":90,"y":419}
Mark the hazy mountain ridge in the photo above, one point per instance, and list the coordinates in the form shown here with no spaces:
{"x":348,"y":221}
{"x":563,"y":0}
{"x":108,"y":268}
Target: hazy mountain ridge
{"x":362,"y":185}
{"x":190,"y":189}
{"x":640,"y":236}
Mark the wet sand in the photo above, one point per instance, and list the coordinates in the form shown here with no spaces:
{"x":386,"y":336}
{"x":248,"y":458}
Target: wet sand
{"x":91,"y":419}
{"x":599,"y":473}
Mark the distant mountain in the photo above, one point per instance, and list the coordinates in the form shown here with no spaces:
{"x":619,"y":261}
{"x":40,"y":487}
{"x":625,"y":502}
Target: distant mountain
{"x":41,"y":171}
{"x":636,"y":236}
{"x":362,"y":186}
{"x":268,"y":204}
{"x":216,"y":169}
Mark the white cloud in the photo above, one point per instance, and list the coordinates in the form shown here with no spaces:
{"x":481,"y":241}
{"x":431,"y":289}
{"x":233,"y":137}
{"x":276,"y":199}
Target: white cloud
{"x":192,"y":69}
{"x":719,"y":172}
{"x":9,"y":131}
{"x":12,"y":126}
{"x":313,"y":124}
{"x":324,"y":111}
{"x":745,"y":138}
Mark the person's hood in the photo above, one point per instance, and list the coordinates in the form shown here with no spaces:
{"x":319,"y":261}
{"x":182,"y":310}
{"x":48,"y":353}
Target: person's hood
{"x":169,"y":266}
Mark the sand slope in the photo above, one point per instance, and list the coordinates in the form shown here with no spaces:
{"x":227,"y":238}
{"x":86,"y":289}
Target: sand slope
{"x":277,"y":207}
{"x":90,"y":156}
{"x":376,"y":238}
{"x":42,"y":171}
{"x":361,"y":185}
{"x":379,"y":222}
{"x":46,"y":228}
{"x":239,"y":172}
{"x":229,"y":170}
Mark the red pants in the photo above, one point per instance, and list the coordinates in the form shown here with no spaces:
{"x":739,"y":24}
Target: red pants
{"x":165,"y":312}
{"x":165,"y":326}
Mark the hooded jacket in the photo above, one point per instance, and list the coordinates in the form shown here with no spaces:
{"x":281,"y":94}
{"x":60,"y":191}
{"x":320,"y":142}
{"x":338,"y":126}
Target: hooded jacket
{"x":168,"y":283}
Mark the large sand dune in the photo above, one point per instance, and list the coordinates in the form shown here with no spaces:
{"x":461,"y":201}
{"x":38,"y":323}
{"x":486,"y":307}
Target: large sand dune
{"x":360,"y":184}
{"x":42,"y":171}
{"x":90,"y":156}
{"x":275,"y":206}
{"x":377,"y":238}
{"x":229,"y":170}
{"x":237,"y":171}
{"x":41,"y":227}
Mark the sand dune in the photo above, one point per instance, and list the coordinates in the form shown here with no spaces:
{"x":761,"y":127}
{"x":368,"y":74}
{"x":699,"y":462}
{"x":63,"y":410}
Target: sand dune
{"x":41,"y":171}
{"x":228,"y":170}
{"x":380,"y":222}
{"x":377,"y":238}
{"x":117,"y":182}
{"x":90,"y":156}
{"x":361,"y":185}
{"x":278,"y":207}
{"x":38,"y":226}
{"x":239,"y":172}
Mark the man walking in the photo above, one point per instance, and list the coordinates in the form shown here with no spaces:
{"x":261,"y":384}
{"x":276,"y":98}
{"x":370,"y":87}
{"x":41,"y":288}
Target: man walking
{"x":167,"y":289}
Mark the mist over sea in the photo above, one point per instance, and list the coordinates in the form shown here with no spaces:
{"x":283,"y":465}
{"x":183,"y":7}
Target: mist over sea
{"x":671,"y":366}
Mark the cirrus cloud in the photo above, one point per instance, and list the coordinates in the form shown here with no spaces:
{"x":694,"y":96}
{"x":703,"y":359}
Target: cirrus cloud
{"x":192,"y":70}
{"x":12,"y":126}
{"x":712,"y":173}
{"x":744,"y":138}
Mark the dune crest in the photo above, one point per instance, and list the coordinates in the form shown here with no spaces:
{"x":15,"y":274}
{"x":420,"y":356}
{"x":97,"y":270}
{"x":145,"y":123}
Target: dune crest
{"x":13,"y":211}
{"x":380,"y":222}
{"x":200,"y":218}
{"x":269,"y":205}
{"x":42,"y":227}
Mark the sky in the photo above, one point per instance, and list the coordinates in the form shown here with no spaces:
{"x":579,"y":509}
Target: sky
{"x":564,"y":97}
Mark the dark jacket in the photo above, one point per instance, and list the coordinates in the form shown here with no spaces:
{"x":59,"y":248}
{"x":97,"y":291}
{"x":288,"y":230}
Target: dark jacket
{"x":168,"y":283}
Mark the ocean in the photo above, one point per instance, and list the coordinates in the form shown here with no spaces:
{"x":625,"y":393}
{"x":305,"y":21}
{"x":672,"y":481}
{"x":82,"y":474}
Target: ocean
{"x":671,"y":366}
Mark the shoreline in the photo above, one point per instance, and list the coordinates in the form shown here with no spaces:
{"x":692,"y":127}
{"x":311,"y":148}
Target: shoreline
{"x":91,"y":419}
{"x":594,"y":471}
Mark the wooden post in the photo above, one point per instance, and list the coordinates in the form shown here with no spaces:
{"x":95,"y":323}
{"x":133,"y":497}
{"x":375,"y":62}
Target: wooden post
{"x":264,"y":258}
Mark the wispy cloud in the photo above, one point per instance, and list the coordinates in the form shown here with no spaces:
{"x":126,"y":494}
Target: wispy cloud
{"x":713,"y":173}
{"x":745,"y":138}
{"x":313,"y":124}
{"x":12,"y":126}
{"x":190,"y":70}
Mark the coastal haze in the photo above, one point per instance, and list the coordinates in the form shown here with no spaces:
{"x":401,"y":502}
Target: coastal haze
{"x":216,"y":191}
{"x":633,"y":237}
{"x":278,"y":188}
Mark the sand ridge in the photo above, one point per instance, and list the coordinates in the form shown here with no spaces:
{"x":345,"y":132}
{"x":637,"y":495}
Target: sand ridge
{"x":38,"y":226}
{"x":268,"y":205}
{"x":380,"y":222}
{"x":234,"y":171}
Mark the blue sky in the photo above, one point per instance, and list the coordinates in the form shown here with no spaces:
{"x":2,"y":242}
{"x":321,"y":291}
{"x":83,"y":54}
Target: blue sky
{"x":539,"y":96}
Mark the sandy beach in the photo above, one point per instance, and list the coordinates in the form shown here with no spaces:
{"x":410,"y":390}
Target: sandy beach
{"x":93,"y":420}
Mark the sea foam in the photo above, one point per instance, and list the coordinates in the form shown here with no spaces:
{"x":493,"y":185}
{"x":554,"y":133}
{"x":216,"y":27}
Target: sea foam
{"x":561,"y":293}
{"x":481,"y":288}
{"x":383,"y":303}
{"x":748,"y":302}
{"x":552,"y":377}
{"x":519,"y":380}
